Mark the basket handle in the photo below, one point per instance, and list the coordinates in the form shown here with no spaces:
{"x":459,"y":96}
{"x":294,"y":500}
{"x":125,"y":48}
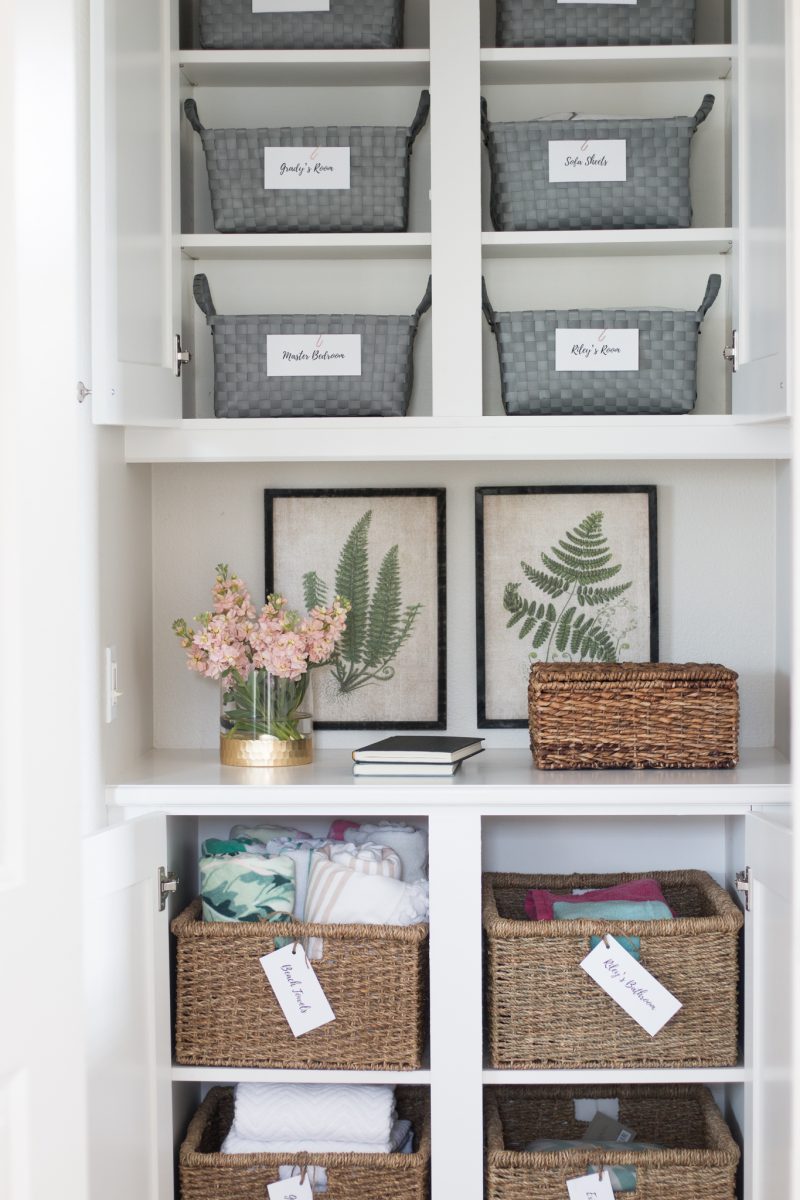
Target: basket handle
{"x":485,"y":120}
{"x":190,"y":108}
{"x":420,"y":117}
{"x":488,"y":311}
{"x":704,"y":110}
{"x":712,"y":291}
{"x":202,"y":295}
{"x":425,"y":302}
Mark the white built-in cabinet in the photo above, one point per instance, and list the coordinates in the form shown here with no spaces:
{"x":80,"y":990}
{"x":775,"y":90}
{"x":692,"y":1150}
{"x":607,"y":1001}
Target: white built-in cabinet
{"x":152,"y":231}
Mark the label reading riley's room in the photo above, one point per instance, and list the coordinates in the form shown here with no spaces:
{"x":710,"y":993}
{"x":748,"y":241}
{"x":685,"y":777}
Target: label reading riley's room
{"x":298,"y":6}
{"x":591,"y":1187}
{"x":632,"y":987}
{"x":313,"y":354}
{"x":290,"y":1189}
{"x":594,"y":161}
{"x":597,"y":349}
{"x":297,"y":989}
{"x":310,"y":167}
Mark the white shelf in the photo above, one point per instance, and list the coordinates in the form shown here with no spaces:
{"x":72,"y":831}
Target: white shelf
{"x":603,"y":243}
{"x":607,"y":64}
{"x":265,"y":1075}
{"x":440,"y":439}
{"x":304,"y":68}
{"x":250,"y":246}
{"x":705,"y":1075}
{"x":496,"y":783}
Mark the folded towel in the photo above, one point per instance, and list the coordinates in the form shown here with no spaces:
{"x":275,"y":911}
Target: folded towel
{"x":227,"y":848}
{"x":266,"y":833}
{"x":296,"y":1115}
{"x":247,"y":887}
{"x":621,"y":1177}
{"x":409,"y":842}
{"x":612,"y":910}
{"x":301,"y":852}
{"x":539,"y":903}
{"x":338,"y":830}
{"x":400,"y":1141}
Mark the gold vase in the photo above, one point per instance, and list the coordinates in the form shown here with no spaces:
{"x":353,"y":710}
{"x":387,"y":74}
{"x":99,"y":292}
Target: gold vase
{"x":265,"y":721}
{"x":265,"y":751}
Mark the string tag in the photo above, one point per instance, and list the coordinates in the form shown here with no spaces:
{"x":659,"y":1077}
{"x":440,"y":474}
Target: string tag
{"x":297,"y":989}
{"x":630,"y":986}
{"x":591,"y":1187}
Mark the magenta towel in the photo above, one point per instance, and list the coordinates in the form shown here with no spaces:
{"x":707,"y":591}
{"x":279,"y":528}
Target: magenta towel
{"x":339,"y":828}
{"x":539,"y":904}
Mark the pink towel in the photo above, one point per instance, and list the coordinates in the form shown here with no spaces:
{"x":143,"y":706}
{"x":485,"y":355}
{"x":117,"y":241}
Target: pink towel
{"x":539,"y":904}
{"x":339,"y":828}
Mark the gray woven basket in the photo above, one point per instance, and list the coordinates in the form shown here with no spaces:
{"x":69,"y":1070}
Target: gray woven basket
{"x":655,"y":195}
{"x":554,"y":23}
{"x":665,"y":383}
{"x":350,"y":25}
{"x":243,"y":389}
{"x":375,"y":202}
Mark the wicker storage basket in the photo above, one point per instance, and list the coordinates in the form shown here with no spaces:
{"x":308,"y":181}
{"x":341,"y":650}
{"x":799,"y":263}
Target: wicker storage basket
{"x":205,"y":1174}
{"x":556,"y":23}
{"x":349,"y":25}
{"x":699,"y":1159}
{"x":588,"y":715}
{"x":242,"y":387}
{"x":375,"y":978}
{"x":375,"y":202}
{"x":544,"y":1011}
{"x":655,"y":194}
{"x":664,"y":384}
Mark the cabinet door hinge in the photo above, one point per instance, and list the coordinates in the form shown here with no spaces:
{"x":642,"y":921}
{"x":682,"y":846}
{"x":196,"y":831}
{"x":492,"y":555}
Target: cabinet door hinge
{"x":167,"y":884}
{"x":182,"y":357}
{"x":743,"y":881}
{"x":730,"y":353}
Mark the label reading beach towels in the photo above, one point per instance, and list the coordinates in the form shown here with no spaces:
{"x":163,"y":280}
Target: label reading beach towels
{"x":591,"y":1187}
{"x":299,"y":6}
{"x":601,"y":160}
{"x":630,"y":985}
{"x":316,"y":168}
{"x":597,"y":349}
{"x":290,"y":1189}
{"x":313,"y":354}
{"x":297,"y":989}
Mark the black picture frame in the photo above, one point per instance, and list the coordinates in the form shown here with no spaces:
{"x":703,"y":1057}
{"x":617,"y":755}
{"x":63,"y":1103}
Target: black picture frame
{"x":485,"y":719}
{"x":273,"y":496}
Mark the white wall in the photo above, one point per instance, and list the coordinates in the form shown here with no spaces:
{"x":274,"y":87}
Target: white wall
{"x":716,"y":570}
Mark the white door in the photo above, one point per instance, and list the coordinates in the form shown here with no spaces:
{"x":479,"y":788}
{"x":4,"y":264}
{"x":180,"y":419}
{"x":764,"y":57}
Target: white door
{"x":126,"y":959}
{"x":134,"y":211}
{"x":759,"y":216}
{"x":769,"y":1169}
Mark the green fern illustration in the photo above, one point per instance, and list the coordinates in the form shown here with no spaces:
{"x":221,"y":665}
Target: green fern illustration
{"x":578,"y":567}
{"x":378,"y":625}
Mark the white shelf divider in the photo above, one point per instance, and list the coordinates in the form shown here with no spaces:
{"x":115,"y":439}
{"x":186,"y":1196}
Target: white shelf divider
{"x":705,"y":1075}
{"x":300,"y":1075}
{"x":610,"y":242}
{"x":304,"y":68}
{"x":606,"y":64}
{"x":248,"y":247}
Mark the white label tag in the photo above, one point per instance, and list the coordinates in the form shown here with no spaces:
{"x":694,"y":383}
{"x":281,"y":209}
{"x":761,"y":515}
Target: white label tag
{"x":597,"y":349}
{"x":313,"y":354}
{"x":298,"y":6}
{"x":315,"y":168}
{"x":597,"y":1}
{"x":297,"y":990}
{"x":632,"y":987}
{"x":290,"y":1189}
{"x":591,"y":1187}
{"x":588,"y":162}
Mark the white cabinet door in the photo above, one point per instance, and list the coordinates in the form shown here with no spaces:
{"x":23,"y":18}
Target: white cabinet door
{"x":768,"y":1168}
{"x":128,"y":1013}
{"x":759,"y":216}
{"x":134,"y":206}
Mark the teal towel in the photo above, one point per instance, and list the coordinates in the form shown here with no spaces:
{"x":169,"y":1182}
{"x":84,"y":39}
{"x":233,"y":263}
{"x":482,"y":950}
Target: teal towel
{"x":247,"y":887}
{"x":613,"y":910}
{"x":621,"y":1177}
{"x":227,"y":848}
{"x":632,"y":944}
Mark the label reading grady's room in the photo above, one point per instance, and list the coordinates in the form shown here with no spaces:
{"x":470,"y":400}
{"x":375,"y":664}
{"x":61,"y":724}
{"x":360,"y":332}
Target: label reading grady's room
{"x":297,"y":989}
{"x":313,"y":354}
{"x":312,"y":168}
{"x":594,"y":161}
{"x":597,"y":349}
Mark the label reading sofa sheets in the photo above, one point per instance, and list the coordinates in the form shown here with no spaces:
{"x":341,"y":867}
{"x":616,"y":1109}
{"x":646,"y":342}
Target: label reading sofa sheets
{"x":597,"y":349}
{"x":300,"y":6}
{"x":591,"y":1187}
{"x":600,"y":160}
{"x":314,"y":168}
{"x":630,"y":986}
{"x":297,"y":989}
{"x":290,"y":1189}
{"x":313,"y":354}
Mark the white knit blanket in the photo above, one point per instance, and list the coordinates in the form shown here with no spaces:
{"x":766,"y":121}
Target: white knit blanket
{"x":295,"y":1116}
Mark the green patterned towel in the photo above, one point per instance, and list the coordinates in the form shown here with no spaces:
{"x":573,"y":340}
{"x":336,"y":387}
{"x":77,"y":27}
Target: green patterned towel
{"x":246,"y":887}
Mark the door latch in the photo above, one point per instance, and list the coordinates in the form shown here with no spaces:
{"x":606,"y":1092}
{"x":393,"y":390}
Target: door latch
{"x":730,"y":353}
{"x":744,"y":881}
{"x":182,"y":357}
{"x":167,"y":886}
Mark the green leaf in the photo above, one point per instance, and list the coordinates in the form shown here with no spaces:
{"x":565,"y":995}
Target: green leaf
{"x":384,"y":611}
{"x":596,"y":595}
{"x":548,"y":584}
{"x":352,"y":582}
{"x":315,"y":592}
{"x":542,"y":634}
{"x":526,"y":628}
{"x":409,"y":617}
{"x":562,"y":632}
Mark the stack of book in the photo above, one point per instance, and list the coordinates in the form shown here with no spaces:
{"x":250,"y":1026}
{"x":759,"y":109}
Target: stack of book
{"x":415,"y":755}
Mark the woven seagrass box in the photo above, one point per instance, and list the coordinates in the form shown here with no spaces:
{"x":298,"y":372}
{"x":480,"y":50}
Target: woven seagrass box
{"x":374,"y":976}
{"x":376,"y":200}
{"x":544,"y":1011}
{"x":654,"y":192}
{"x":698,"y":1160}
{"x":243,"y":386}
{"x":206,"y":1174}
{"x":347,"y":25}
{"x":587,"y":715}
{"x":560,"y":23}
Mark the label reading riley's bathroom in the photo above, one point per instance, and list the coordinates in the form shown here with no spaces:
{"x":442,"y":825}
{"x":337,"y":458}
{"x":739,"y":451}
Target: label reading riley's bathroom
{"x":630,"y":986}
{"x":595,"y":161}
{"x":597,"y":349}
{"x":299,"y":6}
{"x":297,"y":989}
{"x":591,"y":1187}
{"x":313,"y":354}
{"x":290,"y":1189}
{"x":309,"y":167}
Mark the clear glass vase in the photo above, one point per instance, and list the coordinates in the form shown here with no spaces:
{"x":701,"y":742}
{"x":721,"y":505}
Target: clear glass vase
{"x":265,"y":721}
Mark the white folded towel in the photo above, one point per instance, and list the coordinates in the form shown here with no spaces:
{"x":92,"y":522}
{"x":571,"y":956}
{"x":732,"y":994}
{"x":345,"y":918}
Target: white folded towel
{"x":400,"y":1141}
{"x":408,"y":841}
{"x":301,"y":852}
{"x":297,"y":1114}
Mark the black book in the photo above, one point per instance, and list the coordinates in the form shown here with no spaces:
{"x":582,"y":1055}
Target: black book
{"x":419,"y":749}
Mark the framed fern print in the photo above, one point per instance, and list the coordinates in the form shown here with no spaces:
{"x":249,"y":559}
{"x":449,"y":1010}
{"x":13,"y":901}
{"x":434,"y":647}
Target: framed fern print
{"x":565,"y":574}
{"x":383,"y":550}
